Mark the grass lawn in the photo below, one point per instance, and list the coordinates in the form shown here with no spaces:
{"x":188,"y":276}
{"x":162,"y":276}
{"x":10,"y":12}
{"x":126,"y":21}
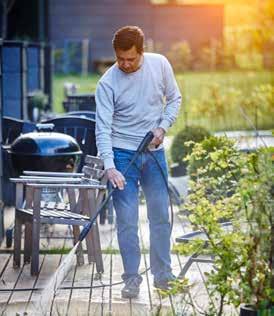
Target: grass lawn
{"x":191,"y":85}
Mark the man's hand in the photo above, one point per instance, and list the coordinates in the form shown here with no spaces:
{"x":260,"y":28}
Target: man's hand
{"x":116,"y":178}
{"x":159,"y":134}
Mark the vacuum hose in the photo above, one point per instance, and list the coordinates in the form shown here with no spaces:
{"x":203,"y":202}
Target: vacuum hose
{"x":141,"y":148}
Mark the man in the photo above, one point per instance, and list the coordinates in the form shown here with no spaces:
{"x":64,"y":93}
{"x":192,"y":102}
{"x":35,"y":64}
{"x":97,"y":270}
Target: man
{"x":136,"y":95}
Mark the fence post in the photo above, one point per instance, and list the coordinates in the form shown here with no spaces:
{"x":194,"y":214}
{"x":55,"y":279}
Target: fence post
{"x":48,"y":71}
{"x":14,"y":85}
{"x":1,"y":163}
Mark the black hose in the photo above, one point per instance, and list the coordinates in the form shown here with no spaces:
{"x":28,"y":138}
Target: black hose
{"x":142,"y":148}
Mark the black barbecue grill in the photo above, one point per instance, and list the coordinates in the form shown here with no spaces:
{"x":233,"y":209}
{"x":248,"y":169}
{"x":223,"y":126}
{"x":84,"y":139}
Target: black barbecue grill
{"x":44,"y":150}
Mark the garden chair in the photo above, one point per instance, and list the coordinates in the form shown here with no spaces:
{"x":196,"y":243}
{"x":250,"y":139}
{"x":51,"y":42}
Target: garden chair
{"x":85,"y":114}
{"x":83,"y":130}
{"x":196,"y":256}
{"x":80,"y":128}
{"x":85,"y":192}
{"x":80,"y":102}
{"x":13,"y":127}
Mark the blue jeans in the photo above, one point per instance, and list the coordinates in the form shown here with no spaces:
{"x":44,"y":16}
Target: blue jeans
{"x":146,"y":172}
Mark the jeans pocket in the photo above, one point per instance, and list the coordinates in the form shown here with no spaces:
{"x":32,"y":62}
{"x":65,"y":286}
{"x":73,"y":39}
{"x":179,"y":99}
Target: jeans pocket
{"x":122,"y":158}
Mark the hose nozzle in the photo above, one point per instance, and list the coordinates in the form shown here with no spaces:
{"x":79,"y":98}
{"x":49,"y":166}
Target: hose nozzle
{"x":145,"y":142}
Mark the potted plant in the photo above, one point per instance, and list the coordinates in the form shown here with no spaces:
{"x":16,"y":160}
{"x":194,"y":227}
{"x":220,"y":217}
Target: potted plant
{"x":179,"y":150}
{"x":256,"y":190}
{"x":37,"y":102}
{"x":228,"y":185}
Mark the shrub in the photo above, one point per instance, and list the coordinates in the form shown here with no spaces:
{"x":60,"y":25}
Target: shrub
{"x":179,"y":150}
{"x":218,"y":159}
{"x":180,"y":56}
{"x":243,"y":253}
{"x":259,"y":103}
{"x":255,"y":278}
{"x":38,"y":99}
{"x":217,"y":103}
{"x":222,"y":105}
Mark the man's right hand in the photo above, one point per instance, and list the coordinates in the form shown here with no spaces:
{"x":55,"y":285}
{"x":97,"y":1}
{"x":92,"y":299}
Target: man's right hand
{"x":116,"y":178}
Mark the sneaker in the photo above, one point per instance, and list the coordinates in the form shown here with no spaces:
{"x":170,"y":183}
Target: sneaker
{"x":131,"y":288}
{"x":164,"y":284}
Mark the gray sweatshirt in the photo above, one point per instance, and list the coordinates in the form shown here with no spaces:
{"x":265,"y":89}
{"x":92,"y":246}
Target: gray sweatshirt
{"x":128,"y":105}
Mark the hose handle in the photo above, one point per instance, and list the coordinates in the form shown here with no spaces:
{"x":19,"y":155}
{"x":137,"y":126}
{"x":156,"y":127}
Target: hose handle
{"x":145,"y":142}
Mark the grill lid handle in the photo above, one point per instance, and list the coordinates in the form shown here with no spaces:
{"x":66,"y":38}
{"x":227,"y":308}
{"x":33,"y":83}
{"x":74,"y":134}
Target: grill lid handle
{"x":45,"y":127}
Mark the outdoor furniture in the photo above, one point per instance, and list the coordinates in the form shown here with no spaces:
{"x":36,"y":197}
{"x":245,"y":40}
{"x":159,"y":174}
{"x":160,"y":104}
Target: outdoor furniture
{"x":83,"y":130}
{"x":80,"y":128}
{"x":85,"y":114}
{"x":11,"y":129}
{"x":85,"y":192}
{"x":80,"y":102}
{"x":197,"y":257}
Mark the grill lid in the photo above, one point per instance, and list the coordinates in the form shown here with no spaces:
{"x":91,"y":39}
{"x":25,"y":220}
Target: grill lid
{"x":45,"y":143}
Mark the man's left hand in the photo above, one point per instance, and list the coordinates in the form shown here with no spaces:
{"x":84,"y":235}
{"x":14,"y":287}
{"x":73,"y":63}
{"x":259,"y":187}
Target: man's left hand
{"x":159,"y":134}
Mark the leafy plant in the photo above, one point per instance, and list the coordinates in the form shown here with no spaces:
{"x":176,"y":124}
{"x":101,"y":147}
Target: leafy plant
{"x":215,"y":165}
{"x":38,"y":99}
{"x":238,"y":187}
{"x":217,"y":104}
{"x":180,"y":56}
{"x":256,"y":191}
{"x":260,"y":102}
{"x":178,"y":148}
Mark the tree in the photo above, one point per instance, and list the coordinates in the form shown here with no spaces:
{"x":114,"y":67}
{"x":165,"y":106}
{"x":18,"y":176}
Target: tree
{"x":6,"y":7}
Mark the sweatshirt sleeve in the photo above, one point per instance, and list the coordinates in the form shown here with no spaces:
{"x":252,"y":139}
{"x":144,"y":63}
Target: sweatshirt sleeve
{"x":173,"y":96}
{"x":104,"y":114}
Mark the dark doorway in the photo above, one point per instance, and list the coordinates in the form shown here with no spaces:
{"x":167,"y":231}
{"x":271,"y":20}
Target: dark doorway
{"x":27,"y":20}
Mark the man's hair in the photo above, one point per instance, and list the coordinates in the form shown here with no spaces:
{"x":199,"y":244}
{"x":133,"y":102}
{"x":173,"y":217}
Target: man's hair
{"x":127,"y":37}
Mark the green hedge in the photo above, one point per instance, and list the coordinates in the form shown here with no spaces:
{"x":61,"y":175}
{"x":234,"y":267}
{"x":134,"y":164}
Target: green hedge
{"x":179,"y":150}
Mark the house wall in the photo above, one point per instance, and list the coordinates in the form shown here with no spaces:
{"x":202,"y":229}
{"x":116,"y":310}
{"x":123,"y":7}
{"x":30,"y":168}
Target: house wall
{"x":97,"y":20}
{"x":192,"y":23}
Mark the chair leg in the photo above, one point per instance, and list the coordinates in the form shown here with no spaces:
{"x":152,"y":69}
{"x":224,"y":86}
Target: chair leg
{"x":93,"y":237}
{"x":35,"y":247}
{"x":110,"y":212}
{"x":36,"y":232}
{"x":17,"y":241}
{"x":86,"y":211}
{"x":187,"y":265}
{"x":90,"y":248}
{"x":27,"y":242}
{"x":97,"y":249}
{"x":103,"y":216}
{"x":110,"y":206}
{"x":79,"y":251}
{"x":75,"y":206}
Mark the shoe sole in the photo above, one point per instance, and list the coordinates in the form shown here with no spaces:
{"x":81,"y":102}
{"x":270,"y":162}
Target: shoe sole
{"x":127,"y":295}
{"x":157,"y":287}
{"x":161,"y":289}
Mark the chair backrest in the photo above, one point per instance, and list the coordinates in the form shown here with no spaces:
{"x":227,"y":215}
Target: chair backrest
{"x":94,"y":169}
{"x":80,"y":102}
{"x":82,"y":129}
{"x":85,"y":114}
{"x":12,"y":128}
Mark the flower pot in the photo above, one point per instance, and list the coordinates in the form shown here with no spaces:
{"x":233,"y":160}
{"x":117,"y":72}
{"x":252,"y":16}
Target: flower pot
{"x":34,"y":113}
{"x":248,"y":310}
{"x":178,"y":170}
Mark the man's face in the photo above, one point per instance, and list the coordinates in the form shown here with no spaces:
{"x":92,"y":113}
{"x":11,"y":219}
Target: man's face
{"x":128,"y":60}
